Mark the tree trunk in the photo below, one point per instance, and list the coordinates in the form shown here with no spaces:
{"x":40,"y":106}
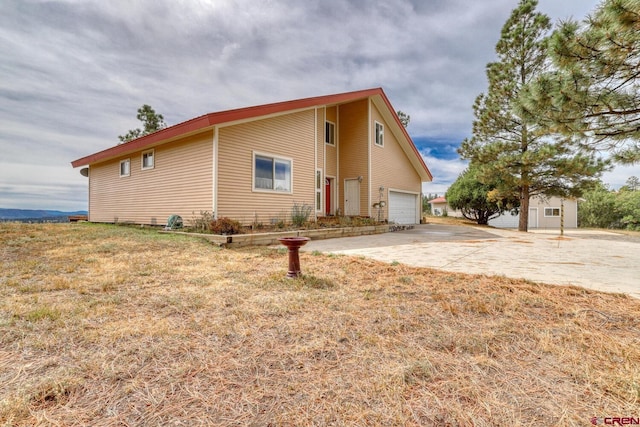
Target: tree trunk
{"x":523,"y":225}
{"x":483,"y":218}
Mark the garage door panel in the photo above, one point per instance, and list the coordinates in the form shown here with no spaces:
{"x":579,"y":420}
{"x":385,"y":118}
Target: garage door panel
{"x":403,"y":207}
{"x":506,"y":220}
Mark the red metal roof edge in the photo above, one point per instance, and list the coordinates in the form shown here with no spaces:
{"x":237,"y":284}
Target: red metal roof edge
{"x":406,"y":134}
{"x":212,"y":119}
{"x":144,"y":141}
{"x":438,"y":200}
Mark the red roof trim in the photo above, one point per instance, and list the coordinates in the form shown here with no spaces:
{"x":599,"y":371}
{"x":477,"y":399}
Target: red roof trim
{"x":438,"y":200}
{"x":208,"y":120}
{"x":406,"y":134}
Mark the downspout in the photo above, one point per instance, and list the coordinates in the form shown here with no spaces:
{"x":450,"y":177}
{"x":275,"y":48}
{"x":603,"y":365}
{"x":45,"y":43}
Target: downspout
{"x":315,"y":164}
{"x":324,"y":161}
{"x":369,"y":140}
{"x":87,"y":170}
{"x":336,"y":199}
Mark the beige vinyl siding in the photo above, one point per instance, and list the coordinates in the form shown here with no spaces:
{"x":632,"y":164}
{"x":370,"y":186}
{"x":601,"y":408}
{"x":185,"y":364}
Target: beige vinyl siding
{"x":352,"y":137}
{"x":290,"y":136}
{"x":179,"y":183}
{"x":331,"y":154}
{"x":320,"y":139}
{"x":390,"y":166}
{"x":332,"y":114}
{"x":320,"y":157}
{"x":331,"y":151}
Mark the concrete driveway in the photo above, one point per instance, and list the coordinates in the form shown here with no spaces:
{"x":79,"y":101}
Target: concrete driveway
{"x":597,"y":260}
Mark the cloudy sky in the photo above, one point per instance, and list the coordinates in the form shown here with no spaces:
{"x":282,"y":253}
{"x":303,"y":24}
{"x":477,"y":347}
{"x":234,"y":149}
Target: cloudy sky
{"x":74,"y":72}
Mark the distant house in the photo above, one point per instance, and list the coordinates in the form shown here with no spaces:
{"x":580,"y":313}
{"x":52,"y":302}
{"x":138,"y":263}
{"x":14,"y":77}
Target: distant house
{"x":544,"y":213}
{"x":340,"y":154}
{"x":440,"y":207}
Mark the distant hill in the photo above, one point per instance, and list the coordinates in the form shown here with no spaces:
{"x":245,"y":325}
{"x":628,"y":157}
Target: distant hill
{"x":36,"y":215}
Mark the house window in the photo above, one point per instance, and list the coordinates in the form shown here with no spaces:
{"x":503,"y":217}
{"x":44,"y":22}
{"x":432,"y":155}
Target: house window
{"x":125,"y":167}
{"x":551,"y":211}
{"x":330,"y":133}
{"x":319,"y":182}
{"x":271,"y":173}
{"x":379,"y":134}
{"x":147,"y":159}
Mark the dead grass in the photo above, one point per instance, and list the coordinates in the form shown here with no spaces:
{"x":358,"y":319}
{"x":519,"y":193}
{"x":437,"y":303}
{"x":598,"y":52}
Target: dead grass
{"x":450,"y":220}
{"x":105,"y":325}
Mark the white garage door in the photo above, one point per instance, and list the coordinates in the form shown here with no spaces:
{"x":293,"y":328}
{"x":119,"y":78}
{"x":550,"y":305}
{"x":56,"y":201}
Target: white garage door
{"x":506,"y":220}
{"x":403,"y":208}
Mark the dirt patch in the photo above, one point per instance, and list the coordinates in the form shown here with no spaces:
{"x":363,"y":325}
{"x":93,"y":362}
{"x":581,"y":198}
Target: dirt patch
{"x":450,"y":221}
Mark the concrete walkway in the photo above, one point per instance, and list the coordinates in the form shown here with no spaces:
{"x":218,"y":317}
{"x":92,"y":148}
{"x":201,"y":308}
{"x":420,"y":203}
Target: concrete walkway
{"x":597,"y":260}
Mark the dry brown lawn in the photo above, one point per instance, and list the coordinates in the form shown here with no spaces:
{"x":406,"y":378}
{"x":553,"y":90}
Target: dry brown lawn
{"x":118,"y":326}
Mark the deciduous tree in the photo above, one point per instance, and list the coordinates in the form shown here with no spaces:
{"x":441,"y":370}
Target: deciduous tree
{"x":604,"y":208}
{"x":471,"y":197}
{"x":598,"y":208}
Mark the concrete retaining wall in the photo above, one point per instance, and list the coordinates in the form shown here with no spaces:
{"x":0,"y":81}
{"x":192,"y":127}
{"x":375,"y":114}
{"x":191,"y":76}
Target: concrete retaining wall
{"x":266,"y":239}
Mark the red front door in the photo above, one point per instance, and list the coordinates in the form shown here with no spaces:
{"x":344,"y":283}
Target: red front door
{"x":327,"y":196}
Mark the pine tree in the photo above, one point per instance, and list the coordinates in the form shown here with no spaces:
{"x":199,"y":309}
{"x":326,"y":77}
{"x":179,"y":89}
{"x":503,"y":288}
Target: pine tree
{"x":152,"y":121}
{"x":593,"y":95}
{"x":523,"y":159}
{"x":404,"y":118}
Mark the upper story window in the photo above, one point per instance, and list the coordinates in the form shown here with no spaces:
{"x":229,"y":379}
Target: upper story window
{"x":272,"y":173}
{"x":125,"y":167}
{"x":551,"y":211}
{"x":330,"y":133}
{"x":379,"y":134}
{"x":147,"y":159}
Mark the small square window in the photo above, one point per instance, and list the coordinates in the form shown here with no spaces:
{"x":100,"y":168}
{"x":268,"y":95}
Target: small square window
{"x":330,"y":133}
{"x":551,"y":211}
{"x":379,"y":134}
{"x":125,"y":167}
{"x":147,"y":160}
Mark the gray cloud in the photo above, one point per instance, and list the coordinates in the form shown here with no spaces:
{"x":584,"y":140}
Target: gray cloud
{"x":73,"y":73}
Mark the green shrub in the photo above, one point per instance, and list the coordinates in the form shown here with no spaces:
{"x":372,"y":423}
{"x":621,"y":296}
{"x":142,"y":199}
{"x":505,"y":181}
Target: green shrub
{"x":225,"y":226}
{"x":300,"y":214}
{"x":201,"y":223}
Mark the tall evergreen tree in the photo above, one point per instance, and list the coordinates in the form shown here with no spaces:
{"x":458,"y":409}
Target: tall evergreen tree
{"x":632,"y":183}
{"x":594,"y":93}
{"x":152,"y":121}
{"x":523,"y":158}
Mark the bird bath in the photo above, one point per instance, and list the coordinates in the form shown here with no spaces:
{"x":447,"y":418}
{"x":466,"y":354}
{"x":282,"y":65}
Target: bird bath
{"x":293,"y":244}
